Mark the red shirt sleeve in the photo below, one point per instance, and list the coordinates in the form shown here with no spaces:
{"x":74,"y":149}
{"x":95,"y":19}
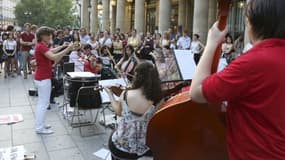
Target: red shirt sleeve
{"x":227,"y":85}
{"x":43,"y":49}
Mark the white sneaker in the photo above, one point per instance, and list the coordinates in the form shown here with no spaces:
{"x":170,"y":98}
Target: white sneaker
{"x":44,"y":131}
{"x":47,"y":126}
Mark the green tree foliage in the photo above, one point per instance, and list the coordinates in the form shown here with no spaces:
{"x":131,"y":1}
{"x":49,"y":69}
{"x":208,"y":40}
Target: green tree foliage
{"x":45,"y":12}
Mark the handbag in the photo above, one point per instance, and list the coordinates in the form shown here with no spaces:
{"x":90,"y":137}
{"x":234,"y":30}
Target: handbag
{"x":3,"y":57}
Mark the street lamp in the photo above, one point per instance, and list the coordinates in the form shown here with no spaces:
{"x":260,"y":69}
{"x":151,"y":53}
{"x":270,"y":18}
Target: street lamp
{"x":113,"y":3}
{"x":100,"y":5}
{"x":79,"y":14}
{"x":28,"y":15}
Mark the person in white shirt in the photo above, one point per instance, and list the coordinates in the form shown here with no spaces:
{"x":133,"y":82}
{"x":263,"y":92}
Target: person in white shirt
{"x":106,"y":40}
{"x":75,"y":57}
{"x":196,"y":47}
{"x":84,"y":36}
{"x":184,"y":41}
{"x":94,"y":44}
{"x":9,"y":48}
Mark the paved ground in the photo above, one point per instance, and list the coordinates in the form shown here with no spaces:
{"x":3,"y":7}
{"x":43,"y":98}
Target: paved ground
{"x":64,"y":144}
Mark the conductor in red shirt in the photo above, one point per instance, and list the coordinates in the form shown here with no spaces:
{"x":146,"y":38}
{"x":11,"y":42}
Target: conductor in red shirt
{"x":253,"y":84}
{"x":43,"y":74}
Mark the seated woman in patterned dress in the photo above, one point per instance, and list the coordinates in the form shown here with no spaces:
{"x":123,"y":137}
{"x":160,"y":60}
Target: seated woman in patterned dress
{"x":136,"y":106}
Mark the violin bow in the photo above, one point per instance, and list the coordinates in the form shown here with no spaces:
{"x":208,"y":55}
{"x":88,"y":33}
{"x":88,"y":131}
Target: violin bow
{"x":224,"y":7}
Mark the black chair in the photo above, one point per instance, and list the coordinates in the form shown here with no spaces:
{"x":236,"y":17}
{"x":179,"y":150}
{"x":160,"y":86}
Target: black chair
{"x":68,"y":67}
{"x":88,"y":99}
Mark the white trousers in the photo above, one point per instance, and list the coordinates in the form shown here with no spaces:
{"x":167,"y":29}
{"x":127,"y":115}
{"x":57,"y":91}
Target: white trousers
{"x":44,"y":90}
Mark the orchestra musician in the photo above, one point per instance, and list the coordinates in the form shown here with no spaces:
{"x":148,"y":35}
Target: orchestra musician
{"x":43,"y":74}
{"x":129,"y":61}
{"x":136,"y":106}
{"x":253,"y":84}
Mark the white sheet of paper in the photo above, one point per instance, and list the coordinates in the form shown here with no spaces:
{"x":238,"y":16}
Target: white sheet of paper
{"x":10,"y":119}
{"x":186,"y":63}
{"x":15,"y":153}
{"x":81,"y":74}
{"x":103,"y":154}
{"x":110,"y":82}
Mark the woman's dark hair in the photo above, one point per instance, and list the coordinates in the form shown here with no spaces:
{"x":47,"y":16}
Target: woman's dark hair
{"x":78,"y":36}
{"x":126,"y":57}
{"x":197,"y":36}
{"x":147,"y":78}
{"x":267,"y":18}
{"x":229,"y":36}
{"x":59,"y":32}
{"x":43,"y":31}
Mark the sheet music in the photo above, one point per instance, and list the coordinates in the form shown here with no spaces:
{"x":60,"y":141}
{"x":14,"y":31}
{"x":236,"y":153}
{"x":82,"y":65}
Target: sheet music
{"x":186,"y":63}
{"x":110,"y":82}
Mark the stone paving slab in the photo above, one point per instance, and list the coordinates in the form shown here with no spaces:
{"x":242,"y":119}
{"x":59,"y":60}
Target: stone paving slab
{"x":65,"y":144}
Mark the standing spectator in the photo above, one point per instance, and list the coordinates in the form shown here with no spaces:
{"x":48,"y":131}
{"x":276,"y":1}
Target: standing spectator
{"x":27,"y":41}
{"x":19,"y":57}
{"x":172,"y":35}
{"x":106,"y":40}
{"x":67,"y":37}
{"x":118,"y":48}
{"x":75,"y":37}
{"x":184,"y":41}
{"x":3,"y":57}
{"x":94,"y":44}
{"x":157,"y":40}
{"x":196,"y":47}
{"x":59,"y":39}
{"x":84,"y":36}
{"x":228,"y":48}
{"x":134,"y":40}
{"x":9,"y":48}
{"x":165,"y":41}
{"x":148,"y":43}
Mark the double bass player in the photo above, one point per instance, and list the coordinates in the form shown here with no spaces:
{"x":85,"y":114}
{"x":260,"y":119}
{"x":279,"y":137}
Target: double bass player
{"x":253,"y":84}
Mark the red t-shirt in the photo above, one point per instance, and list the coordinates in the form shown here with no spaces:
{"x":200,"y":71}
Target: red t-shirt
{"x":254,"y":86}
{"x":44,"y":65}
{"x":87,"y":67}
{"x":27,"y":38}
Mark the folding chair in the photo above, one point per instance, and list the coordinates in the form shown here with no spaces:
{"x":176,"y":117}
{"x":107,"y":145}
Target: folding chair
{"x":88,"y":98}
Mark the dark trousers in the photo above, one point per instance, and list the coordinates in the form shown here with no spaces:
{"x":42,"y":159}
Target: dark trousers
{"x":197,"y":58}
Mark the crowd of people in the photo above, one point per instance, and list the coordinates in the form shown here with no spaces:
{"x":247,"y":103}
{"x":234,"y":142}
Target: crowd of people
{"x":18,"y":47}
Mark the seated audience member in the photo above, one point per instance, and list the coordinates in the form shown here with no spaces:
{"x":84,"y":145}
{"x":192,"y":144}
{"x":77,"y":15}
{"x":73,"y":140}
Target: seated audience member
{"x":136,"y":106}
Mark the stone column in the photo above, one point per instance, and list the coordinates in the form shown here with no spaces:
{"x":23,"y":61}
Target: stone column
{"x":85,"y":14}
{"x":164,"y":15}
{"x":94,"y":16}
{"x":181,"y":13}
{"x":139,"y":15}
{"x":106,"y":15}
{"x":188,"y":22}
{"x":127,"y":21}
{"x":120,"y":15}
{"x":200,"y":20}
{"x":213,"y":4}
{"x":113,"y":28}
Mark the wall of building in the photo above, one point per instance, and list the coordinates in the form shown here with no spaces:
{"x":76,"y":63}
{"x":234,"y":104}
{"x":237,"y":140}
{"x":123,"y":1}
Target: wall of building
{"x":7,"y":16}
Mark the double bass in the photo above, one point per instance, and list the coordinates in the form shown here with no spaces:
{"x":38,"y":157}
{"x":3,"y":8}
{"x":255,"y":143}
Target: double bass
{"x":185,"y":130}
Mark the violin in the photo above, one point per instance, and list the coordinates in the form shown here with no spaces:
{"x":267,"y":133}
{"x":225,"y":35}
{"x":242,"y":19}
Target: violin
{"x":183,"y":129}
